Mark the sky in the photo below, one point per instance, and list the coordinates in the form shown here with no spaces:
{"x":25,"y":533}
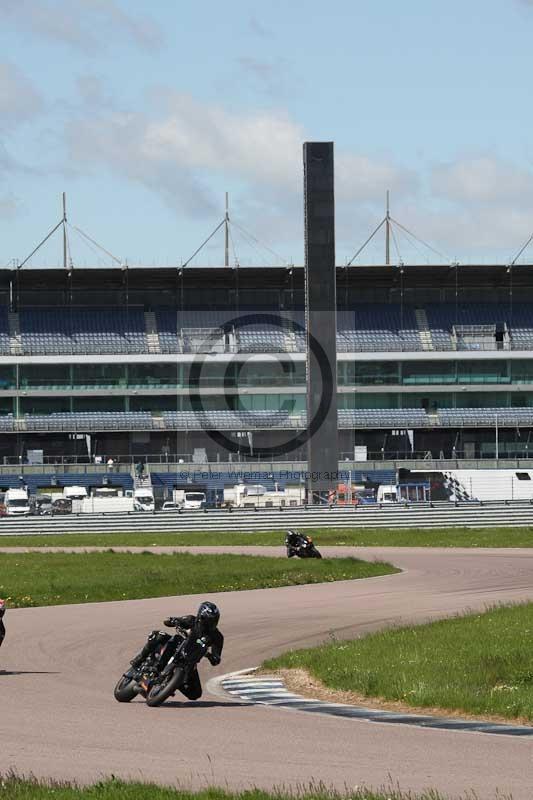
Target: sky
{"x":146,"y":113}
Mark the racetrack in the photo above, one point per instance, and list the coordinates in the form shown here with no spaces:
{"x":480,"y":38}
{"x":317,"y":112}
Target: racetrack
{"x":58,"y":717}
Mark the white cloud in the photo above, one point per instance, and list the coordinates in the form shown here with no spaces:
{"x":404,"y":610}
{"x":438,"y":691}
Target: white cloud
{"x":187,"y":152}
{"x":264,"y":145}
{"x":482,"y":179}
{"x":88,"y":25}
{"x":181,"y":150}
{"x":19,"y":100}
{"x":361,"y":179}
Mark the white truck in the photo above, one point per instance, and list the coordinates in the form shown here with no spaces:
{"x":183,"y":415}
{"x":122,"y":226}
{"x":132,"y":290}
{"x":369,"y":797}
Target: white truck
{"x":189,"y":500}
{"x":244,"y":495}
{"x":17,"y":503}
{"x":143,"y":499}
{"x":74,"y":492}
{"x":387,"y":493}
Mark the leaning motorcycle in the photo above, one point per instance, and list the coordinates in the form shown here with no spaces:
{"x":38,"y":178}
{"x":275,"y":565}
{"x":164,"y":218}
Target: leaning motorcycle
{"x":163,"y":673}
{"x":301,"y":546}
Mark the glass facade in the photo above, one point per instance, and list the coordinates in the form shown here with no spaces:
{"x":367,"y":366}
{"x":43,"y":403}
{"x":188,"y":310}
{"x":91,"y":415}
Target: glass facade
{"x":430,"y":384}
{"x":250,"y":373}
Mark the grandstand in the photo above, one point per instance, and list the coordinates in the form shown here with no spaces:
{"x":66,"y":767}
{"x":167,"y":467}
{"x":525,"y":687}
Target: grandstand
{"x":148,"y":362}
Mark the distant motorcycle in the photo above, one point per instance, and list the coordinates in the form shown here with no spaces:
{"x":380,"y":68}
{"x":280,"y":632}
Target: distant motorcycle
{"x":299,"y":545}
{"x":163,"y":672}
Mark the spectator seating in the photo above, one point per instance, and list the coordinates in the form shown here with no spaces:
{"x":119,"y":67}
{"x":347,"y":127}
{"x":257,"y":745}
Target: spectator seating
{"x":485,"y":417}
{"x":4,"y":332}
{"x":265,"y":332}
{"x":167,"y":325}
{"x":7,"y":422}
{"x":371,"y":327}
{"x":34,"y":482}
{"x":89,"y":420}
{"x":82,"y":330}
{"x":377,"y":327}
{"x":390,"y":418}
{"x":383,"y":418}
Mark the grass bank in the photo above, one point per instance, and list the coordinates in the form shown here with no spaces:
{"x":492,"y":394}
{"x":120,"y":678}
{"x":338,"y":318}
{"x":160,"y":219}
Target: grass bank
{"x":20,"y":789}
{"x":481,"y":664}
{"x":42,"y":579}
{"x":370,"y":537}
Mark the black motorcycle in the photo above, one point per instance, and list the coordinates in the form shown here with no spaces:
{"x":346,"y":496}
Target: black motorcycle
{"x":301,"y":546}
{"x":162,"y":674}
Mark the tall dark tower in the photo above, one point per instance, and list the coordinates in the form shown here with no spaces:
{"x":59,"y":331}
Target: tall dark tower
{"x":321,"y":317}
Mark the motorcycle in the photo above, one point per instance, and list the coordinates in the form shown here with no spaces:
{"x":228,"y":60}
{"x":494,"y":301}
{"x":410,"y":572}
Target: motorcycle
{"x":162,"y":674}
{"x":301,"y":546}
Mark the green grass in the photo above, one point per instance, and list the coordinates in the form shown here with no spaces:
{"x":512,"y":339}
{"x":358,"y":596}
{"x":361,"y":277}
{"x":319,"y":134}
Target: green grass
{"x":370,"y":537}
{"x":481,"y":664}
{"x":13,"y":788}
{"x":42,"y":579}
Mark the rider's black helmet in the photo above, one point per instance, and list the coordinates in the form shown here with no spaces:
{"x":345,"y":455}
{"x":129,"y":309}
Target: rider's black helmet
{"x":207,"y":617}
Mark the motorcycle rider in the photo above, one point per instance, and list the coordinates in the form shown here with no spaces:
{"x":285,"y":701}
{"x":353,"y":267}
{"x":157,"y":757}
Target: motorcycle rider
{"x":293,"y":541}
{"x":2,"y":626}
{"x":204,"y":624}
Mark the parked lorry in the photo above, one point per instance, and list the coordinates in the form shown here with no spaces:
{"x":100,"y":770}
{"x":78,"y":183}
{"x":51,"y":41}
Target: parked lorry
{"x":17,"y":503}
{"x":258,"y":496}
{"x":189,"y":499}
{"x":74,"y":492}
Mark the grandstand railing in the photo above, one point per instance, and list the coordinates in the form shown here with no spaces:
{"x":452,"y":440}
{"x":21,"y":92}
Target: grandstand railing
{"x":247,"y":465}
{"x":254,"y":471}
{"x":363,"y":419}
{"x":342,"y":347}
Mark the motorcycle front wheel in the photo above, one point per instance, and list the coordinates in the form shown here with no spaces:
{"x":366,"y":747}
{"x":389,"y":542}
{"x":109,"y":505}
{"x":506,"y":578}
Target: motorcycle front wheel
{"x":125,"y":690}
{"x":159,"y":692}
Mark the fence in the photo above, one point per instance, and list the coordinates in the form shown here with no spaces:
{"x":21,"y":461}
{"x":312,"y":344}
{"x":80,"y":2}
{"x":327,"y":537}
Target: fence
{"x":472,"y":515}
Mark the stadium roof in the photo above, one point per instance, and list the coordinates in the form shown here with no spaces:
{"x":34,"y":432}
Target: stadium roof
{"x":168,"y":277}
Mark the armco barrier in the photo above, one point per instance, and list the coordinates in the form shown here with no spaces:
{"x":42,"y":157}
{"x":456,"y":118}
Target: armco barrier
{"x":419,"y":516}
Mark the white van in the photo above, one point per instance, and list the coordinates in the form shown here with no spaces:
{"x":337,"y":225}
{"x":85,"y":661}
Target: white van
{"x":17,"y":503}
{"x":193,"y":500}
{"x":189,"y":499}
{"x":143,"y":500}
{"x":387,"y":494}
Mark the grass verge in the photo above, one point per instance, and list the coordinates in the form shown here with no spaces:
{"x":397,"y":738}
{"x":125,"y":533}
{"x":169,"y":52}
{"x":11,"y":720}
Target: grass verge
{"x":371,"y":537}
{"x":481,"y":664}
{"x":42,"y":579}
{"x":13,"y":788}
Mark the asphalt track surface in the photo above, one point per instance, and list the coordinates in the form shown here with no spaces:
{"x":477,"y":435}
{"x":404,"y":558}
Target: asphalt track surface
{"x":58,"y":717}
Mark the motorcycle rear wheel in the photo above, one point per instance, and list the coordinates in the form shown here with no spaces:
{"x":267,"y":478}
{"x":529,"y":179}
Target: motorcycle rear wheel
{"x":125,"y":690}
{"x":159,"y":692}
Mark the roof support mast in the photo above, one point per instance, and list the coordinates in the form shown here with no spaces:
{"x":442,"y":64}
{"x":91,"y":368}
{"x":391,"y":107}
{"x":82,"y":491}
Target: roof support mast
{"x":388,"y":222}
{"x":387,"y":230}
{"x":64,"y":222}
{"x":226,"y":233}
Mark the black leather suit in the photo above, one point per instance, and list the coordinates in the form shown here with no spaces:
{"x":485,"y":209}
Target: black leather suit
{"x":193,"y":688}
